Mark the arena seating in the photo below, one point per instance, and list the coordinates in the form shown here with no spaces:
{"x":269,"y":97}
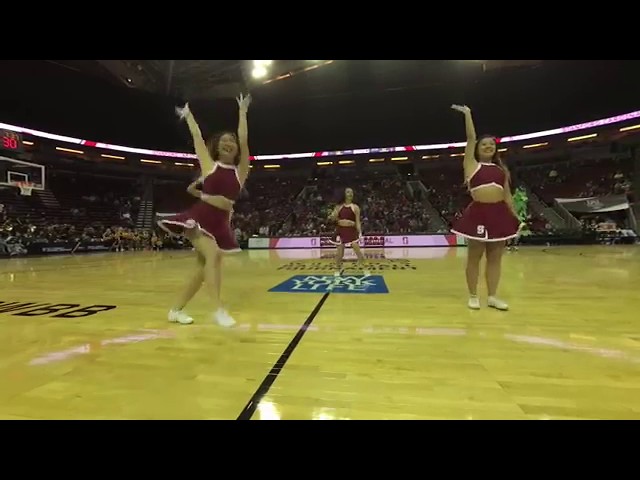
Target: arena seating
{"x":447,"y":192}
{"x":581,"y":178}
{"x":75,"y":207}
{"x":85,"y":199}
{"x":267,"y":202}
{"x":286,"y":203}
{"x":385,"y":202}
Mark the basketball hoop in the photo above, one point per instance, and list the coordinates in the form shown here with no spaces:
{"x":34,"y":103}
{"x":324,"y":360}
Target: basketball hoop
{"x":25,"y":188}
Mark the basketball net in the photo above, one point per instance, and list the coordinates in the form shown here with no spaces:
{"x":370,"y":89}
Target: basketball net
{"x":25,"y":188}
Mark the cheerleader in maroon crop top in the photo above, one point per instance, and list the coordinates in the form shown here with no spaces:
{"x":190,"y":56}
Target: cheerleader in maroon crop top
{"x":490,"y":219}
{"x":348,"y":230}
{"x":224,"y":166}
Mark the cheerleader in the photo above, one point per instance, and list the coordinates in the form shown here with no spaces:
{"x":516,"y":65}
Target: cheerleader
{"x":224,"y":167}
{"x":490,"y":219}
{"x":348,"y":230}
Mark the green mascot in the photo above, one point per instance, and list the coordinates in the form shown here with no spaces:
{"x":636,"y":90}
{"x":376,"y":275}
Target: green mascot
{"x":520,"y":200}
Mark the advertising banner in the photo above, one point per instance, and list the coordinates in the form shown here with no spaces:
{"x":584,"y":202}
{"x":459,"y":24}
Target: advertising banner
{"x":46,"y":248}
{"x":609,"y":203}
{"x":367,"y":241}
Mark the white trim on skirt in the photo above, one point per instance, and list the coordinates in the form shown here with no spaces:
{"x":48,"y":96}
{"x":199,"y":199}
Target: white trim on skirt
{"x":191,"y":223}
{"x":485,"y":239}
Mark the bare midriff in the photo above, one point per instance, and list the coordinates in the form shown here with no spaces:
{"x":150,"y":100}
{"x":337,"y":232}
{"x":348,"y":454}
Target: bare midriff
{"x":346,"y":223}
{"x":488,"y":194}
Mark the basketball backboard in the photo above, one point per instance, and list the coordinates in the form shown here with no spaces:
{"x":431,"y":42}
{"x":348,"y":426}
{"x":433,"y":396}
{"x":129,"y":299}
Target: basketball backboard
{"x":13,"y":172}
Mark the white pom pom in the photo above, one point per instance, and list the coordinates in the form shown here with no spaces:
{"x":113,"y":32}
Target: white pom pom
{"x":182,"y":112}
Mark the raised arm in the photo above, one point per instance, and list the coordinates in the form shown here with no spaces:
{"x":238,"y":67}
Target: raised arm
{"x":243,"y":137}
{"x":202,"y":152}
{"x":470,"y":163}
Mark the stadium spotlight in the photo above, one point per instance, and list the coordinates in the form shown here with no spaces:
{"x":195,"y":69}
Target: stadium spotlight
{"x":259,"y":71}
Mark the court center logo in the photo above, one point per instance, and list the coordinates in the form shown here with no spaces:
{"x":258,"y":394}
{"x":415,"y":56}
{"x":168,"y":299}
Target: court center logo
{"x":329,"y":283}
{"x":374,"y":264}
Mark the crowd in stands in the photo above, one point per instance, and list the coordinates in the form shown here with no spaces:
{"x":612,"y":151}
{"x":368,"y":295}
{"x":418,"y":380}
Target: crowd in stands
{"x":266,"y":204}
{"x":81,"y":210}
{"x":84,"y":198}
{"x":85,"y":210}
{"x":581,"y":178}
{"x":446,"y":191}
{"x":387,"y":205}
{"x":17,"y":237}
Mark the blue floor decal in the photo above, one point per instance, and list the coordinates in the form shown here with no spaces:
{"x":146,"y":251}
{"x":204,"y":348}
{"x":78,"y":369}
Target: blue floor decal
{"x":329,"y":283}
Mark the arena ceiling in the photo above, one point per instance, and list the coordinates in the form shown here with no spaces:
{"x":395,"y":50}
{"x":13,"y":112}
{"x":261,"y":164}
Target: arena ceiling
{"x":213,"y":79}
{"x":306,"y":105}
{"x":192,"y":79}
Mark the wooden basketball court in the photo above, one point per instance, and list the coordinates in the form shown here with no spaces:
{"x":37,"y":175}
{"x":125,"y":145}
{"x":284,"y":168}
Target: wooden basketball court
{"x":86,"y":337}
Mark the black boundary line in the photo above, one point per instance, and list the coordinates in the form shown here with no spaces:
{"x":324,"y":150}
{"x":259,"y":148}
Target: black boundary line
{"x":248,"y":411}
